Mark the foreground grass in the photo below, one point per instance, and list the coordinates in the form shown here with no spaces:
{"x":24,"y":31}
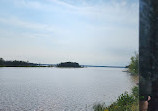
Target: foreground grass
{"x":125,"y":102}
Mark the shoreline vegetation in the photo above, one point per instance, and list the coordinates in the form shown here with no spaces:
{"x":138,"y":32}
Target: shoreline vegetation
{"x":133,"y":66}
{"x":126,"y":101}
{"x":15,"y":63}
{"x":69,"y":65}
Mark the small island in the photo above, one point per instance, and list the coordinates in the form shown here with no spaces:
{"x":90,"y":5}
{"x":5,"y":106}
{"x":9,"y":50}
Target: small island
{"x":69,"y":64}
{"x":17,"y":63}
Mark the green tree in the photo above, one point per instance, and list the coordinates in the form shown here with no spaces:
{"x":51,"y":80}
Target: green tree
{"x":133,"y":67}
{"x":1,"y":61}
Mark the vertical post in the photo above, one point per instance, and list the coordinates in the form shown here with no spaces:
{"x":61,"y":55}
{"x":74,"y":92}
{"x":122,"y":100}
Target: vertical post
{"x":148,"y":52}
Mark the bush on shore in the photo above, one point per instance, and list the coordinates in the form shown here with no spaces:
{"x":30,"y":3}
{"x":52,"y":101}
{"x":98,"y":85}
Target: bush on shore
{"x":133,"y":67}
{"x":125,"y":102}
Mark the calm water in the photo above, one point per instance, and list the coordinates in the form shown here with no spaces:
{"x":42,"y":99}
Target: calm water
{"x":60,"y":89}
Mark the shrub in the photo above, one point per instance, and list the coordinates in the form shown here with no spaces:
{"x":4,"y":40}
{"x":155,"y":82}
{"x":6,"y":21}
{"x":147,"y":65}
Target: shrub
{"x":133,"y":67}
{"x":125,"y":102}
{"x":99,"y":107}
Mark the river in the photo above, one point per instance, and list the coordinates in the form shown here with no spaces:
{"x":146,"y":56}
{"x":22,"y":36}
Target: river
{"x":60,"y":89}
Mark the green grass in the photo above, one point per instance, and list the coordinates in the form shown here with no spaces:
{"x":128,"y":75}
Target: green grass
{"x":125,"y":102}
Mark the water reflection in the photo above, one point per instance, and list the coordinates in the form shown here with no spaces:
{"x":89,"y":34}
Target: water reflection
{"x":36,"y":89}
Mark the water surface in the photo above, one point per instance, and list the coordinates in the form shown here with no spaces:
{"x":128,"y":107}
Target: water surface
{"x":60,"y":89}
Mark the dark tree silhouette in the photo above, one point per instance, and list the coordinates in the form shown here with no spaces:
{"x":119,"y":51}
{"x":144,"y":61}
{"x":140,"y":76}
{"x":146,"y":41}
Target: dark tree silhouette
{"x":15,"y":63}
{"x":68,"y":64}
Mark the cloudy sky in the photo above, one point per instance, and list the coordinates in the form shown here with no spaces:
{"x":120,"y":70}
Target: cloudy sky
{"x":92,"y":32}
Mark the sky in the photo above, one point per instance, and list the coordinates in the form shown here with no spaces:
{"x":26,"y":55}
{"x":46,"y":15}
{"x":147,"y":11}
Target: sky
{"x":90,"y":32}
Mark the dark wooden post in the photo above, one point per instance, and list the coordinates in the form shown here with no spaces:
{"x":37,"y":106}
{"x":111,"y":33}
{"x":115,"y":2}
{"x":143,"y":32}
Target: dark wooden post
{"x":148,"y":52}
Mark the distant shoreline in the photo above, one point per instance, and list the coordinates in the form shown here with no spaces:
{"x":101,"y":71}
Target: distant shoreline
{"x":82,"y":66}
{"x":17,"y":63}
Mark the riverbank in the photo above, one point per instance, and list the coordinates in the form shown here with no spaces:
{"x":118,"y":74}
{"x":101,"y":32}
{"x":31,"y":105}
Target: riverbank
{"x":136,"y":79}
{"x":125,"y":102}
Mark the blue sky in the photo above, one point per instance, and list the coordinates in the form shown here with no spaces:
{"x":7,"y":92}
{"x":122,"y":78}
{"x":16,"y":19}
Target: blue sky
{"x":94,"y":32}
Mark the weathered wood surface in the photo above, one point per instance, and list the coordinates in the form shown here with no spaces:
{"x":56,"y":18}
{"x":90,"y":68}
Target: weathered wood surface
{"x":148,"y":51}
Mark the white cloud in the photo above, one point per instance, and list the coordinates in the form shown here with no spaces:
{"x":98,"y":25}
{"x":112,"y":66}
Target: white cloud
{"x":16,"y":22}
{"x":28,"y":4}
{"x":94,"y":33}
{"x":113,"y":11}
{"x":40,"y":29}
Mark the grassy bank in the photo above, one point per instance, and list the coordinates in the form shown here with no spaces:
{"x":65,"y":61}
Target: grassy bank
{"x":125,"y":102}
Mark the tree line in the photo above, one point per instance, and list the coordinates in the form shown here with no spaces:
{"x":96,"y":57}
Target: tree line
{"x":68,"y":64}
{"x":15,"y":63}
